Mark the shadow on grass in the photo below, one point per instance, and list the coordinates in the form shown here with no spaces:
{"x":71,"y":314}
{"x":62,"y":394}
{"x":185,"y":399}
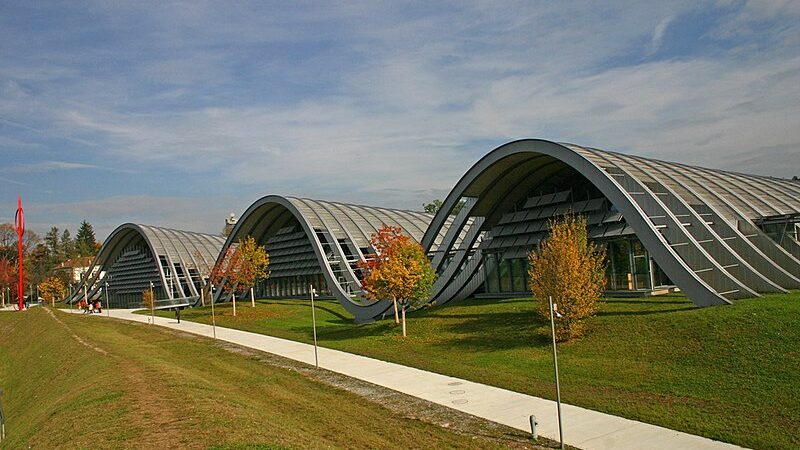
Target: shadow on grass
{"x":499,"y":331}
{"x":353,"y":331}
{"x":319,"y":304}
{"x":641,"y":313}
{"x":639,"y":301}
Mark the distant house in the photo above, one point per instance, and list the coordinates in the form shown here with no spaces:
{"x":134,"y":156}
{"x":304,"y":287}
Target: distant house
{"x":76,"y":267}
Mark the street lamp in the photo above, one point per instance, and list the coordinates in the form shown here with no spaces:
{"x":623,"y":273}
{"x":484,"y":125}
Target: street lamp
{"x":152,"y":305}
{"x":554,"y":312}
{"x":213,"y":317}
{"x":108,"y":302}
{"x":314,"y":322}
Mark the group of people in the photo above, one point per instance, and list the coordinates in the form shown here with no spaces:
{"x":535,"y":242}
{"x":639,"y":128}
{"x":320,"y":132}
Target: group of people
{"x":91,"y":308}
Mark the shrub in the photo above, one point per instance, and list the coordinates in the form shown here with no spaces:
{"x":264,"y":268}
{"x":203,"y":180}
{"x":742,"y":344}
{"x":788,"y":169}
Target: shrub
{"x":147,"y":298}
{"x":571,"y":270}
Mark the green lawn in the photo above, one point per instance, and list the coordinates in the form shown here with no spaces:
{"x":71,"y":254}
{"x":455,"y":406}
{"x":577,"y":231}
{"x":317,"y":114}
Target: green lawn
{"x":75,"y":381}
{"x":730,"y":373}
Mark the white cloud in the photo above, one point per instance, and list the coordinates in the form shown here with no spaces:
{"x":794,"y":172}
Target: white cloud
{"x":658,"y":34}
{"x":49,"y":166}
{"x":375,"y":103}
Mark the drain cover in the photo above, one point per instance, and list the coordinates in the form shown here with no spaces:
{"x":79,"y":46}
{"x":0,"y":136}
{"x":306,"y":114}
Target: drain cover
{"x":457,"y":392}
{"x":461,"y":401}
{"x":455,"y":383}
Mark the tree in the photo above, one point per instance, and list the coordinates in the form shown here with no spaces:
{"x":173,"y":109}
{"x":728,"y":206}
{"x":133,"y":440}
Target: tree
{"x":571,"y":270}
{"x":399,"y":270}
{"x":8,"y":276}
{"x":67,"y":246}
{"x":51,"y":289}
{"x":147,"y":299}
{"x":254,"y":264}
{"x":8,"y":242}
{"x":38,"y":264}
{"x":434,"y":207}
{"x":8,"y":235}
{"x":51,"y":240}
{"x":85,"y":242}
{"x":241,"y":267}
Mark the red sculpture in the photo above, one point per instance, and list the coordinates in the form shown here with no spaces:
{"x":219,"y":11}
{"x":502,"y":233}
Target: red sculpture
{"x":19,"y":222}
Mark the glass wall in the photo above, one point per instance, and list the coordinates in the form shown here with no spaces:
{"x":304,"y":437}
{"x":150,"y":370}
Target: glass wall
{"x":628,"y":265}
{"x":505,"y":275}
{"x":628,"y":268}
{"x":292,"y":286}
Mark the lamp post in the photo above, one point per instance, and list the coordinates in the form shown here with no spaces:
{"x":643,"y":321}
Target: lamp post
{"x":19,"y":223}
{"x":152,"y":305}
{"x":213,"y":316}
{"x":555,"y":369}
{"x":108,"y":302}
{"x":314,"y":322}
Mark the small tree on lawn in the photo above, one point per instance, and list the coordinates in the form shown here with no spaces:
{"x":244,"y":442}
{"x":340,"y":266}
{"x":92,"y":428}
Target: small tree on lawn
{"x":570,"y":269}
{"x":147,"y":299}
{"x":51,"y":289}
{"x":241,"y":267}
{"x":224,"y":273}
{"x":399,"y":271}
{"x":254,"y":265}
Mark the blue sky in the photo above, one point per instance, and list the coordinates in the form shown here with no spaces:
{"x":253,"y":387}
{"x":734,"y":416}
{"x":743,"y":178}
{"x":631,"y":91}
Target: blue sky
{"x":179,"y":113}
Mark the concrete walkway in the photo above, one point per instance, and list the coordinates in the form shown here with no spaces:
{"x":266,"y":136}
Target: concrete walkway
{"x":583,"y":428}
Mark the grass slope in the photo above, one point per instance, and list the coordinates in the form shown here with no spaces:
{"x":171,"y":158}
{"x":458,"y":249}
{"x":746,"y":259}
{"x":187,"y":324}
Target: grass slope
{"x":728,"y":373}
{"x":83,"y":382}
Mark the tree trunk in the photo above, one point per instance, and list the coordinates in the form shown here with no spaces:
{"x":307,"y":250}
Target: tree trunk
{"x":404,"y":320}
{"x":203,"y":296}
{"x":396,"y":319}
{"x":252,"y":298}
{"x":234,"y":304}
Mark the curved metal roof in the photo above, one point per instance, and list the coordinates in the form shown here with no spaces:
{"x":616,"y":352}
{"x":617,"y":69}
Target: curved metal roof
{"x":339,"y":234}
{"x":698,"y":224}
{"x":172,"y":249}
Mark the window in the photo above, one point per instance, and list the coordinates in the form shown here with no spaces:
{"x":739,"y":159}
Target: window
{"x":518,"y":274}
{"x":505,"y":275}
{"x":490,"y":271}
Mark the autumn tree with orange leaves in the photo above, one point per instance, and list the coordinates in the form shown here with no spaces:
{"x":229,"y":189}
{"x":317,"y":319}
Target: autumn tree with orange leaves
{"x":399,"y":270}
{"x":570,"y":269}
{"x":241,"y":267}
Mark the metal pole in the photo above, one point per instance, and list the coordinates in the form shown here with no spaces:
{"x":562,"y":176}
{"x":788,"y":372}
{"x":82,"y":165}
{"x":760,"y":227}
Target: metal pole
{"x":213,"y":317}
{"x":152,"y":305}
{"x":314,"y":321}
{"x":555,"y":370}
{"x":19,"y":222}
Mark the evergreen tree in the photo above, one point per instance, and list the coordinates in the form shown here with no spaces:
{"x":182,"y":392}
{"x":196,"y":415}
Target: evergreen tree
{"x":51,"y":240}
{"x":67,"y":246}
{"x":85,"y":241}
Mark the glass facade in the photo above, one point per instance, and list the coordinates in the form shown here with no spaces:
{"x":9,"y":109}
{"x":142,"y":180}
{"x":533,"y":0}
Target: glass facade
{"x":505,"y":275}
{"x":628,"y":269}
{"x":628,"y":266}
{"x":292,"y":286}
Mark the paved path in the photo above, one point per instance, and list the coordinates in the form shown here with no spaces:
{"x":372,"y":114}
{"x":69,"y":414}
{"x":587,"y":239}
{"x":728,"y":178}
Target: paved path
{"x":583,"y":428}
